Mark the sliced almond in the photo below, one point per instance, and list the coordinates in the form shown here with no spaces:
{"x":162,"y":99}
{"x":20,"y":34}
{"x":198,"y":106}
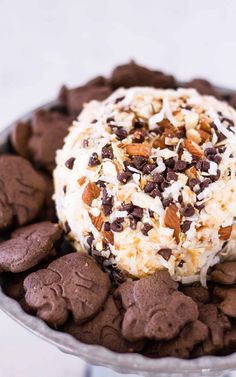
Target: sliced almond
{"x":193,"y":135}
{"x":193,"y":148}
{"x":81,"y":180}
{"x":97,"y":221}
{"x":90,"y":193}
{"x":136,"y":149}
{"x":108,"y":236}
{"x":172,"y":220}
{"x":225,"y":232}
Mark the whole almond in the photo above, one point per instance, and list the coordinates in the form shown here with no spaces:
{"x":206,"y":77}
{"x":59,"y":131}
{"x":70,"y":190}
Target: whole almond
{"x":108,"y":236}
{"x":97,"y":221}
{"x":193,"y":148}
{"x":225,"y":232}
{"x":90,"y":193}
{"x":136,"y":149}
{"x":172,"y":220}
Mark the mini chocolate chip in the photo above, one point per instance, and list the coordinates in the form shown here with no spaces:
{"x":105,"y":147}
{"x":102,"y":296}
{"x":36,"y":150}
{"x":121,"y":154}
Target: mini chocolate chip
{"x":170,"y":163}
{"x":127,"y":207}
{"x":145,"y":229}
{"x":137,"y":212}
{"x":149,"y":187}
{"x":159,"y":130}
{"x":110,"y":119}
{"x":124,"y":177}
{"x":119,"y":99}
{"x":85,"y":143}
{"x":188,"y":210}
{"x":107,"y":226}
{"x":107,"y":152}
{"x":148,"y":168}
{"x":165,"y":253}
{"x":180,"y":165}
{"x":70,"y":163}
{"x":164,"y":185}
{"x":205,"y":165}
{"x":106,"y":198}
{"x":116,"y":226}
{"x":181,"y":263}
{"x":94,"y":160}
{"x":90,"y":240}
{"x":121,"y":133}
{"x":199,"y":206}
{"x":151,"y":213}
{"x":217,"y":159}
{"x":101,"y":183}
{"x":155,"y":192}
{"x":186,"y":226}
{"x":107,"y":209}
{"x":67,"y":227}
{"x":166,"y":202}
{"x":205,"y":183}
{"x":64,"y":189}
{"x":193,"y":182}
{"x":138,"y":136}
{"x":211,"y":150}
{"x":215,"y":178}
{"x":139,"y":162}
{"x":171,"y":176}
{"x":157,"y":178}
{"x":94,"y":121}
{"x":198,"y":164}
{"x":133,"y":223}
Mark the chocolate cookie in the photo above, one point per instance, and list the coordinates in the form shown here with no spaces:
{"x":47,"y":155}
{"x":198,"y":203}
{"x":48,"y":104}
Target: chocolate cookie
{"x":22,"y":191}
{"x":73,"y":283}
{"x":28,"y":246}
{"x":224,"y":273}
{"x":227,"y":296}
{"x":154,"y":309}
{"x":74,"y":99}
{"x":204,"y":87}
{"x":104,"y":330}
{"x":19,"y":138}
{"x":132,"y":74}
{"x":217,"y":324}
{"x":192,"y":334}
{"x":199,"y":294}
{"x":49,"y":129}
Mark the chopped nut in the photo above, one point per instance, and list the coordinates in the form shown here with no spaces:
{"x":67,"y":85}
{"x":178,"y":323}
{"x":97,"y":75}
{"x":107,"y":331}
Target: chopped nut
{"x":225,"y":232}
{"x":136,"y":149}
{"x":204,"y":124}
{"x":193,"y":148}
{"x":194,"y":135}
{"x":172,"y":220}
{"x":204,"y":135}
{"x":90,"y":193}
{"x":191,"y":120}
{"x":108,"y":236}
{"x":97,"y":221}
{"x":81,"y":180}
{"x":191,"y":172}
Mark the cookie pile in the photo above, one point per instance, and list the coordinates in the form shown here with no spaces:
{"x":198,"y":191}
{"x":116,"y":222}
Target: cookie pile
{"x":87,"y":296}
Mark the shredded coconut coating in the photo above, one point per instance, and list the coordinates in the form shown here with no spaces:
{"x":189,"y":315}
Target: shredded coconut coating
{"x":146,"y":181}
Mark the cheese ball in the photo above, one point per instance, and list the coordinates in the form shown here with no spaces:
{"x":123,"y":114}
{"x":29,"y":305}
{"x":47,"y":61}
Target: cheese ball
{"x":146,"y":181}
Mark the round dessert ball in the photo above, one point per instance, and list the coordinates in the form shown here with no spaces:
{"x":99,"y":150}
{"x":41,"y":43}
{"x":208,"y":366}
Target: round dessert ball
{"x":146,"y":180}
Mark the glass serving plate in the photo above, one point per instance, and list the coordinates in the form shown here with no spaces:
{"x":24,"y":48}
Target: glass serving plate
{"x":100,"y":356}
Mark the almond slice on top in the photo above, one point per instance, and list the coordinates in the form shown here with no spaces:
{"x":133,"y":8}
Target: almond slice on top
{"x":172,"y":220}
{"x":136,"y":149}
{"x":225,"y":232}
{"x":90,"y":193}
{"x":193,"y":148}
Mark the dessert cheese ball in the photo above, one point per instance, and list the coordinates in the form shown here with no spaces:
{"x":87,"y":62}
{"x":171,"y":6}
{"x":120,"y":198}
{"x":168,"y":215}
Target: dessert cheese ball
{"x":146,"y":181}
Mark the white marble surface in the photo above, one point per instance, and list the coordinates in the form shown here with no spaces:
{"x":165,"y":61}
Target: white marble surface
{"x":46,"y":43}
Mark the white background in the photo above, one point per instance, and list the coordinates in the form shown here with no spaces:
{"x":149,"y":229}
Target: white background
{"x":46,"y":43}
